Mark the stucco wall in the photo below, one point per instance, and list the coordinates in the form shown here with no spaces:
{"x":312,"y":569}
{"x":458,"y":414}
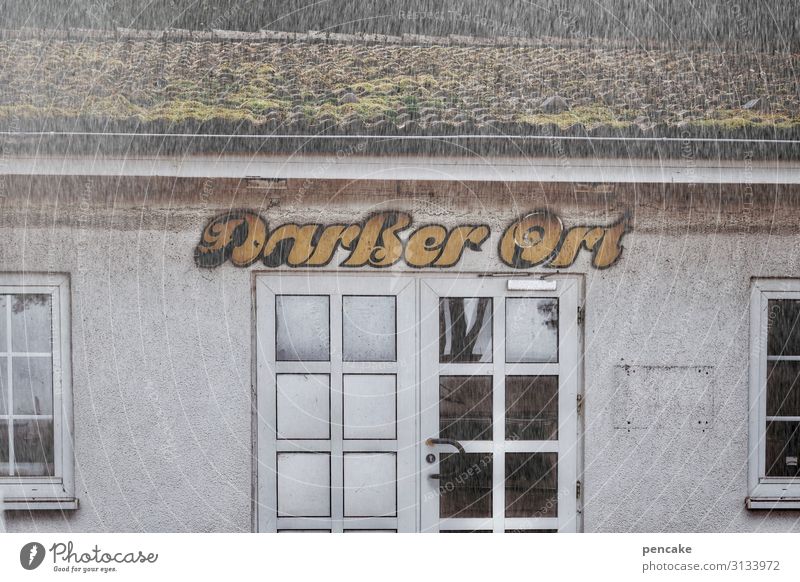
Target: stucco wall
{"x":162,"y":349}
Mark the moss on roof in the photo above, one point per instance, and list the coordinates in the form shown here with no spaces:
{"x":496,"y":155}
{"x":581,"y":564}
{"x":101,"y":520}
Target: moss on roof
{"x":363,"y":88}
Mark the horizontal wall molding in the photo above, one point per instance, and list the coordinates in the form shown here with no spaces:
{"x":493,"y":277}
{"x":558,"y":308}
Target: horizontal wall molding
{"x":476,"y":169}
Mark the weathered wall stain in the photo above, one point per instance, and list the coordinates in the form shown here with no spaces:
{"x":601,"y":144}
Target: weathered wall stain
{"x":538,"y":238}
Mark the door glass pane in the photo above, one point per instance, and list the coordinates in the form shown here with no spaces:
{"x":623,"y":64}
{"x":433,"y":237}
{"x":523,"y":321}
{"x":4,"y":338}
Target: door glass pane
{"x":532,"y":408}
{"x":32,"y":380}
{"x":369,"y":328}
{"x":370,"y":484}
{"x":531,"y":485}
{"x":784,"y":327}
{"x":33,"y":448}
{"x":369,"y":407}
{"x":783,"y":449}
{"x":302,"y":327}
{"x":3,"y":386}
{"x":3,"y":326}
{"x":4,"y":448}
{"x":303,"y":406}
{"x":465,"y":407}
{"x":304,"y":481}
{"x":465,"y":329}
{"x":783,"y":389}
{"x":465,"y":489}
{"x":531,"y":330}
{"x":30,"y":322}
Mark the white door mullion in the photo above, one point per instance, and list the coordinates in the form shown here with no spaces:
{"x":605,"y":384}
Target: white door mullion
{"x":498,"y":414}
{"x":337,"y":417}
{"x":428,"y":351}
{"x":567,"y":470}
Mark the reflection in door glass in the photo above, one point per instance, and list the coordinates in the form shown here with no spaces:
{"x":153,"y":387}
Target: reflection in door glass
{"x":532,"y":408}
{"x":531,"y":330}
{"x":368,"y":328}
{"x":302,"y":328}
{"x":465,"y":487}
{"x":465,"y":329}
{"x":465,"y":407}
{"x":531,"y":485}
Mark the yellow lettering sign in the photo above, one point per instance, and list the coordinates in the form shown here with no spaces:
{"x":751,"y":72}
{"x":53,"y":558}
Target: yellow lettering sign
{"x":536,"y":239}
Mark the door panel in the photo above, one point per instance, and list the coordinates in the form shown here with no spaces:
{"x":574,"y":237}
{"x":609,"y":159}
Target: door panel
{"x":336,"y":402}
{"x":499,"y":376}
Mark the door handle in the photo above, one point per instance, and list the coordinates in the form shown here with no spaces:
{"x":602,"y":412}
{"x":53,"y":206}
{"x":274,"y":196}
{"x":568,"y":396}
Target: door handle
{"x":431,"y":442}
{"x":453,"y":443}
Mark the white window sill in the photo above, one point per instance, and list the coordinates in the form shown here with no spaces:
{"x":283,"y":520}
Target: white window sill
{"x":43,"y":504}
{"x":772,"y":503}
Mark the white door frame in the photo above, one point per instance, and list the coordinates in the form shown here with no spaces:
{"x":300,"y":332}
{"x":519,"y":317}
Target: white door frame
{"x":567,"y":368}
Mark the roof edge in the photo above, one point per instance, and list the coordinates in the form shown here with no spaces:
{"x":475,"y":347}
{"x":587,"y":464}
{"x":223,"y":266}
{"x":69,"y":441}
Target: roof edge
{"x":122,"y":34}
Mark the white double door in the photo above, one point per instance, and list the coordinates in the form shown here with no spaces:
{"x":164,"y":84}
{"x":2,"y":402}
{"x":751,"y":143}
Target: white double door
{"x":410,"y":403}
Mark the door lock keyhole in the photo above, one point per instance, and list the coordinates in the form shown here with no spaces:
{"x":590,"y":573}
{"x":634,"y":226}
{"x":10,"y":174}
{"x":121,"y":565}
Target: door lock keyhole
{"x":431,"y":458}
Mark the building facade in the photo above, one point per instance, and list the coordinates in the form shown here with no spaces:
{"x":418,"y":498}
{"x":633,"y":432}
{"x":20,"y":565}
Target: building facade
{"x":368,"y":340}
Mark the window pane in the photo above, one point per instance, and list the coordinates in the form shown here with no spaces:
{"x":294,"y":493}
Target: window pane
{"x":532,"y":408}
{"x":303,"y":406}
{"x":783,"y":448}
{"x":465,"y":329}
{"x":783,"y":389}
{"x":32,"y":381}
{"x":531,"y":330}
{"x":369,"y":406}
{"x":368,"y":327}
{"x":302,"y":327}
{"x":4,"y":448}
{"x":531,"y":485}
{"x":370,"y":484}
{"x":465,"y":489}
{"x":3,"y":323}
{"x":304,"y":482}
{"x":465,"y":407}
{"x":3,"y":386}
{"x":784,"y":327}
{"x":30,"y":323}
{"x":33,"y":448}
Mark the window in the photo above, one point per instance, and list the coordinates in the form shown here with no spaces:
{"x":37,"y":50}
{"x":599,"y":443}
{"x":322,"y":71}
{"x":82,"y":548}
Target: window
{"x":36,"y":468}
{"x":774,"y":475}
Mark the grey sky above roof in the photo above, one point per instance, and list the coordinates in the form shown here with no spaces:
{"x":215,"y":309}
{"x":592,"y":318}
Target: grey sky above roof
{"x":272,"y":83}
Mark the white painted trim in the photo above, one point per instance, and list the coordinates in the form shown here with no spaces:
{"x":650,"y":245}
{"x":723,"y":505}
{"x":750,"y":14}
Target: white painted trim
{"x":55,"y":504}
{"x":772,"y":503}
{"x":361,"y":167}
{"x":765,"y":492}
{"x":57,"y":491}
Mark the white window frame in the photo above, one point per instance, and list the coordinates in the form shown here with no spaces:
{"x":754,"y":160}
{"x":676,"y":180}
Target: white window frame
{"x":765,"y":492}
{"x":56,"y":492}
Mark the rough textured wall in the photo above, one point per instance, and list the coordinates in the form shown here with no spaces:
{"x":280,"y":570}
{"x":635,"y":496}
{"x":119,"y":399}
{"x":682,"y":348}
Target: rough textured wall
{"x":161,"y":349}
